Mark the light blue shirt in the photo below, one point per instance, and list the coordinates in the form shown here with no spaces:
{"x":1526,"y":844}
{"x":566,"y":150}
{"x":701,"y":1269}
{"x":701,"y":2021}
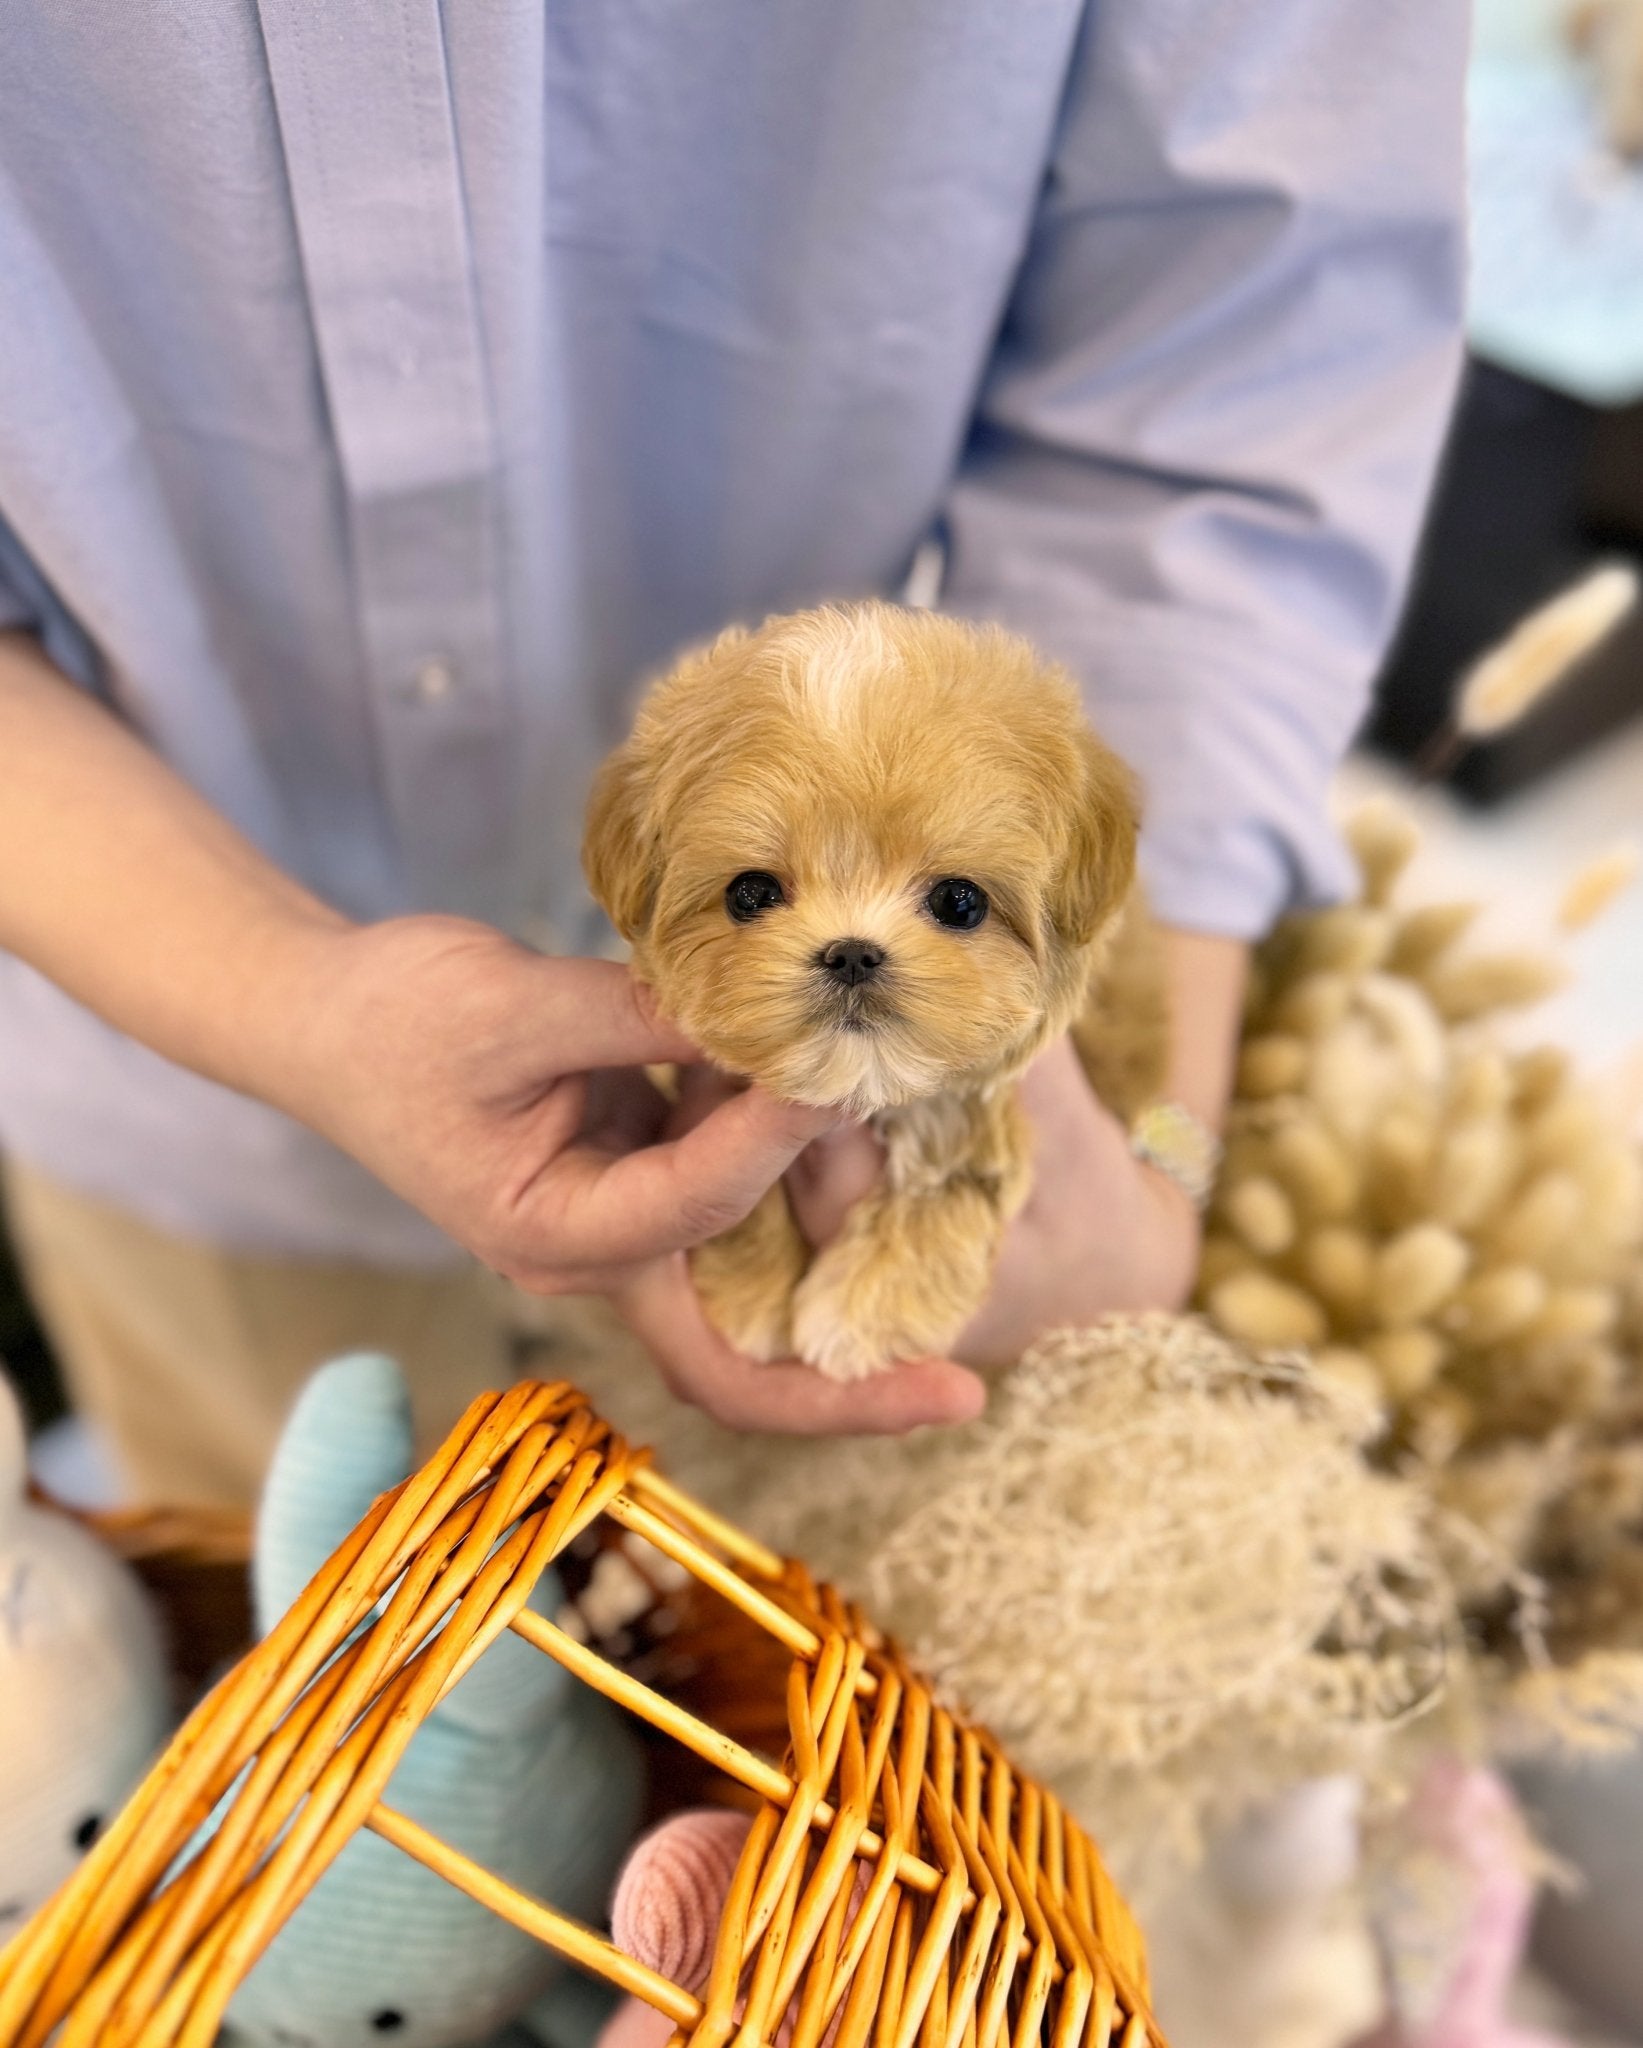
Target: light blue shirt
{"x":386,"y":386}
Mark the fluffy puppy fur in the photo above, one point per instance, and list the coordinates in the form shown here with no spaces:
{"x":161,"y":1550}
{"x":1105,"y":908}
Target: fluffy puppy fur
{"x":876,"y":858}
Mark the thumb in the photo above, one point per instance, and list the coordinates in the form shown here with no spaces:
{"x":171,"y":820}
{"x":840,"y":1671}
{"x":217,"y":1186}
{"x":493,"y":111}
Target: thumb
{"x":668,"y":1197}
{"x":830,"y":1177}
{"x":597,"y":1013}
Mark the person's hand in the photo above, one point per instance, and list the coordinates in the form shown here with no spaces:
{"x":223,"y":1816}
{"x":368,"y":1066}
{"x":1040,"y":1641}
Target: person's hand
{"x":1099,"y":1232}
{"x":504,"y":1095}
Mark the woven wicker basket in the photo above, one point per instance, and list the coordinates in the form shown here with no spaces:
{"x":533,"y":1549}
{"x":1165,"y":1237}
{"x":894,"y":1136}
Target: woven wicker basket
{"x":988,"y":1917}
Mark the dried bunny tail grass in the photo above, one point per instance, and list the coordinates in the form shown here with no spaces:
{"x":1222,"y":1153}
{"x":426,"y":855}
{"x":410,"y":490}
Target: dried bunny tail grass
{"x":1337,"y":1262}
{"x":1350,"y":938}
{"x":1475,"y":1167}
{"x":1487,"y":982}
{"x":1543,"y":649}
{"x":1273,"y":1064}
{"x":1175,"y":1594}
{"x":1539,"y":1073}
{"x":1416,"y":1273}
{"x":1312,"y":1005}
{"x":1592,"y":1522}
{"x":1598,"y":884}
{"x":1598,"y":1604}
{"x":1591,"y":1707}
{"x":1383,"y":838}
{"x":1259,"y":1309}
{"x":1262,"y":1215}
{"x":1316,"y":1168}
{"x":1498,"y":1497}
{"x":1426,"y":933}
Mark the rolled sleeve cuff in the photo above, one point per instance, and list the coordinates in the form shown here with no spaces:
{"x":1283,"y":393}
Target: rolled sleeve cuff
{"x":1236,"y":752}
{"x":1235,"y":742}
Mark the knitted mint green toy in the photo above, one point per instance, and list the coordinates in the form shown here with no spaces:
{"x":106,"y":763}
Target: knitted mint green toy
{"x":522,"y":1768}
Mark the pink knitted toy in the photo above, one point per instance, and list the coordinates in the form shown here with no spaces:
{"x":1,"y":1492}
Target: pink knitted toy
{"x":1454,"y":1931}
{"x":1469,"y":1846}
{"x":666,"y":1913}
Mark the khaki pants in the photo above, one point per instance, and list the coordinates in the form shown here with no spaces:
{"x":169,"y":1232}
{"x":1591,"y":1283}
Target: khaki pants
{"x":185,"y":1358}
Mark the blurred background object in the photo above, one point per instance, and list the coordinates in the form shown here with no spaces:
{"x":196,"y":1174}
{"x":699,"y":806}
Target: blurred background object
{"x":22,"y":1348}
{"x":1543,"y":476}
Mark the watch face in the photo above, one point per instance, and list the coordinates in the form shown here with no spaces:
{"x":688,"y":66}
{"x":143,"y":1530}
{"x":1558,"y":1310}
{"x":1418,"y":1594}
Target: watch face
{"x":1172,"y":1139}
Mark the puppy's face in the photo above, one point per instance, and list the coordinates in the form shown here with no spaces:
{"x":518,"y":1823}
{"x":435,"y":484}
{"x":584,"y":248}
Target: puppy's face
{"x":863,"y":854}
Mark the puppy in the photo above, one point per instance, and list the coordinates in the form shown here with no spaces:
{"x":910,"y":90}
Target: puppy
{"x":876,"y":859}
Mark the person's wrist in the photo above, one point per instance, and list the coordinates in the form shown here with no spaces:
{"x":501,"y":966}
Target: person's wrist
{"x":1176,"y":1237}
{"x":289,"y":1036}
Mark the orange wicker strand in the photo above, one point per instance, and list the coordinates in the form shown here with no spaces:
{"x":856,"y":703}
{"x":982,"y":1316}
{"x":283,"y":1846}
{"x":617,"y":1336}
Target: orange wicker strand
{"x":901,"y":1885}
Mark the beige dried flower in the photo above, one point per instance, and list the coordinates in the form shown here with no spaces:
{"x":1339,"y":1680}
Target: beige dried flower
{"x":1272,"y":1065}
{"x":1597,"y":885}
{"x":1262,"y":1214}
{"x":1543,"y":649}
{"x":1487,"y":982}
{"x":1260,"y":1310}
{"x":1415,"y":1274}
{"x":1467,"y":1237}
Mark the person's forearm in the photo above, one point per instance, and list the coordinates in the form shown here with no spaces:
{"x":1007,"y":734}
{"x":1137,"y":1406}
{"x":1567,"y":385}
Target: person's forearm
{"x":1206,"y":977}
{"x":123,"y":886}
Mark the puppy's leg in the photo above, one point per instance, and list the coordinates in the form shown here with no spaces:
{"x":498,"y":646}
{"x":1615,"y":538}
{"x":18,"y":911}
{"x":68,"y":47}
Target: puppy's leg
{"x":914,"y":1260}
{"x":1122,"y":1033}
{"x":746,"y":1278}
{"x":900,"y":1280}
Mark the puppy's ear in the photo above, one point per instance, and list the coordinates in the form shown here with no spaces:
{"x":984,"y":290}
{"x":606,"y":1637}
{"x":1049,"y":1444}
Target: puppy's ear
{"x":1098,"y":861}
{"x":622,"y":840}
{"x":621,"y":848}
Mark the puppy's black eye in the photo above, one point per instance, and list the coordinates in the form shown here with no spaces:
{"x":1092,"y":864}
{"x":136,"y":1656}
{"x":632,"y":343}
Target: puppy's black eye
{"x":86,"y":1830}
{"x":387,"y":2021}
{"x":956,"y":903}
{"x":752,"y":893}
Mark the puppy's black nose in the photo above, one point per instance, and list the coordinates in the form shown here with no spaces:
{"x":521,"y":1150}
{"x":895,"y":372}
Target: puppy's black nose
{"x":850,"y":961}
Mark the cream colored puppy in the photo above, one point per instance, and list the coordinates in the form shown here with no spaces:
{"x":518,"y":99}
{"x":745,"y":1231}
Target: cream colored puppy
{"x":876,"y":859}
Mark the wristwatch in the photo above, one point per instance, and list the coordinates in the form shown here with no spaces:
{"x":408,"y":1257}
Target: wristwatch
{"x":1179,"y":1144}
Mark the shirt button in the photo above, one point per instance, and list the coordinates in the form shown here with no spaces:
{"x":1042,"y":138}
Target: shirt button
{"x":433,"y":680}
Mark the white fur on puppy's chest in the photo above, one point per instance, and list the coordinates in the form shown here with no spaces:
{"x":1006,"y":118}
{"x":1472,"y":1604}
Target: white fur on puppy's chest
{"x":924,"y":1142}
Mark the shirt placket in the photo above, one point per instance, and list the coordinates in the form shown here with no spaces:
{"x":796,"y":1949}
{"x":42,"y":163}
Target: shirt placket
{"x":363,"y":101}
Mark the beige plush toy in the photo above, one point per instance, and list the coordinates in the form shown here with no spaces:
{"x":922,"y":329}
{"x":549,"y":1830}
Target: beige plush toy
{"x":84,"y":1696}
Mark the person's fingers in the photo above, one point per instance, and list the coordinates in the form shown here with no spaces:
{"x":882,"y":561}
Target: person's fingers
{"x":588,"y":1209}
{"x":661,"y":1307}
{"x":621,"y":1109}
{"x":830,"y":1177}
{"x":701,"y":1090}
{"x":597,"y":1013}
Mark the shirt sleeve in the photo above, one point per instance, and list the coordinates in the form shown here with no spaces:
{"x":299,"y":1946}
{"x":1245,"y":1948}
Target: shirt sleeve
{"x":1201,"y":452}
{"x":17,"y":612}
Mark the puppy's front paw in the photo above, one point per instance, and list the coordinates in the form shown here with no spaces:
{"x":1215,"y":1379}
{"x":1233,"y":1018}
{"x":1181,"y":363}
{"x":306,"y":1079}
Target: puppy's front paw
{"x":749,"y":1311}
{"x":746,"y":1279}
{"x":856,"y":1317}
{"x":825,"y":1337}
{"x":899,"y":1281}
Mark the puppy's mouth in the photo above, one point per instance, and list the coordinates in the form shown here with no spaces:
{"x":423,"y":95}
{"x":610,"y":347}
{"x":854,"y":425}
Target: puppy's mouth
{"x":856,"y":1010}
